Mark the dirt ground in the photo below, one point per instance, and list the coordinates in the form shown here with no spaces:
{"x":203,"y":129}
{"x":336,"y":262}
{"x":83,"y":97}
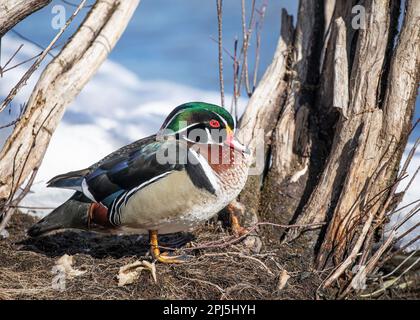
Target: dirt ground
{"x":227,"y":272}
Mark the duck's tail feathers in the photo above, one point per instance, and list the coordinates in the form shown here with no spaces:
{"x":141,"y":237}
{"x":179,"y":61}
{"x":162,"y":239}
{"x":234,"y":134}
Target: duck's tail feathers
{"x":72,"y":214}
{"x":70,"y":180}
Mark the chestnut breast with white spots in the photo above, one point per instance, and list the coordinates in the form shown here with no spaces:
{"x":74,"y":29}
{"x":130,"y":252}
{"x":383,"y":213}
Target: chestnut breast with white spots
{"x":230,"y":167}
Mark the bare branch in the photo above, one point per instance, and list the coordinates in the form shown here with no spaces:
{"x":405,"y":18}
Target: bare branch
{"x":38,"y":61}
{"x":258,"y":27}
{"x":10,"y":208}
{"x":59,"y":84}
{"x":219,"y":4}
{"x":14,"y":11}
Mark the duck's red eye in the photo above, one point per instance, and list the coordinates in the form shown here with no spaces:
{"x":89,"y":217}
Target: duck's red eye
{"x":214,"y":124}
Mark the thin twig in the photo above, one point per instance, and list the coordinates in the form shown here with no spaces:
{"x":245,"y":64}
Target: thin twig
{"x":245,"y":36}
{"x":12,"y":123}
{"x":407,"y":217}
{"x":11,"y":58}
{"x":219,"y":4}
{"x":205,"y":282}
{"x":404,"y":207}
{"x":30,"y":59}
{"x":401,"y":249}
{"x":411,"y":153}
{"x":244,"y":76}
{"x":234,"y":106}
{"x":16,"y":201}
{"x":226,"y":242}
{"x":399,"y":266}
{"x":234,"y":239}
{"x":224,"y":48}
{"x":258,"y":27}
{"x":241,"y":255}
{"x":392,"y":282}
{"x":411,"y":180}
{"x":407,"y":232}
{"x":20,"y":35}
{"x":75,"y":5}
{"x":38,"y":61}
{"x":257,"y":58}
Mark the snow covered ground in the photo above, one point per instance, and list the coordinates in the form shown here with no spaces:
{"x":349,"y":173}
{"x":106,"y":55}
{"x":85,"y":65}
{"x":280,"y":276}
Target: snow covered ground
{"x":115,"y":108}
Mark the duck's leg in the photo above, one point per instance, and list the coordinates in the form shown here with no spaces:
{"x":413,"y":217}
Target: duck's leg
{"x":165,"y":257}
{"x":235,"y":209}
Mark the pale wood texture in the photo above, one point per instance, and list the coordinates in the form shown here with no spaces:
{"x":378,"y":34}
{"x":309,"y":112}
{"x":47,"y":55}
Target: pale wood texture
{"x":369,"y":57}
{"x":265,"y":101}
{"x":291,"y":140}
{"x":382,"y":138}
{"x":58,"y":85}
{"x":262,"y":111}
{"x":14,"y":11}
{"x":342,"y":127}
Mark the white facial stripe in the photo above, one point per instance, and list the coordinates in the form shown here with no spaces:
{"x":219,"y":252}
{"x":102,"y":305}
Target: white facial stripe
{"x":209,"y":138}
{"x":207,"y":169}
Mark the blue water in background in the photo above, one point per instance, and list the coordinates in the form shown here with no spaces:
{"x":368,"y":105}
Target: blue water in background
{"x":171,"y":39}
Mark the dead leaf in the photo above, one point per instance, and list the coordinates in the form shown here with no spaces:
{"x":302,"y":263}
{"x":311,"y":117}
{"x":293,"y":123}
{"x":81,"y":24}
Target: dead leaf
{"x":65,"y":264}
{"x":131,"y":272}
{"x":284,"y":277}
{"x":152,"y":268}
{"x":4,"y":234}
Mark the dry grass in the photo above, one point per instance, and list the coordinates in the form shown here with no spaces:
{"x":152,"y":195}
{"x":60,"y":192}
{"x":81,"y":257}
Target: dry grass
{"x":214,"y":273}
{"x":232,"y":272}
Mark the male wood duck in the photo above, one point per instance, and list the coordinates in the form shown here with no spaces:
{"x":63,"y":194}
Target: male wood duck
{"x":165,"y":183}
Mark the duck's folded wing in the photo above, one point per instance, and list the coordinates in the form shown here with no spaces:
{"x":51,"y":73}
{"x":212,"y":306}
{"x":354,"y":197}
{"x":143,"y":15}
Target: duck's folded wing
{"x":123,"y":173}
{"x":120,"y":171}
{"x":133,"y":167}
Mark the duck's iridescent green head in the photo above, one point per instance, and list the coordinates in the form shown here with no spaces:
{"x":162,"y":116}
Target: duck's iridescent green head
{"x":207,"y":123}
{"x":203,"y":113}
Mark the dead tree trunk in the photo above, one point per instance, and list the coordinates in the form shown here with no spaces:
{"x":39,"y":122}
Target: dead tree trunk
{"x":264,"y":104}
{"x":337,"y":133}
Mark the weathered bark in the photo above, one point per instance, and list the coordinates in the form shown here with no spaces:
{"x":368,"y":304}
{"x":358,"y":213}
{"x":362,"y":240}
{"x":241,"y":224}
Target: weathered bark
{"x":14,"y":11}
{"x":341,"y":131}
{"x":58,"y":85}
{"x":365,"y":74}
{"x":384,"y":130}
{"x":287,"y":178}
{"x":261,"y":113}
